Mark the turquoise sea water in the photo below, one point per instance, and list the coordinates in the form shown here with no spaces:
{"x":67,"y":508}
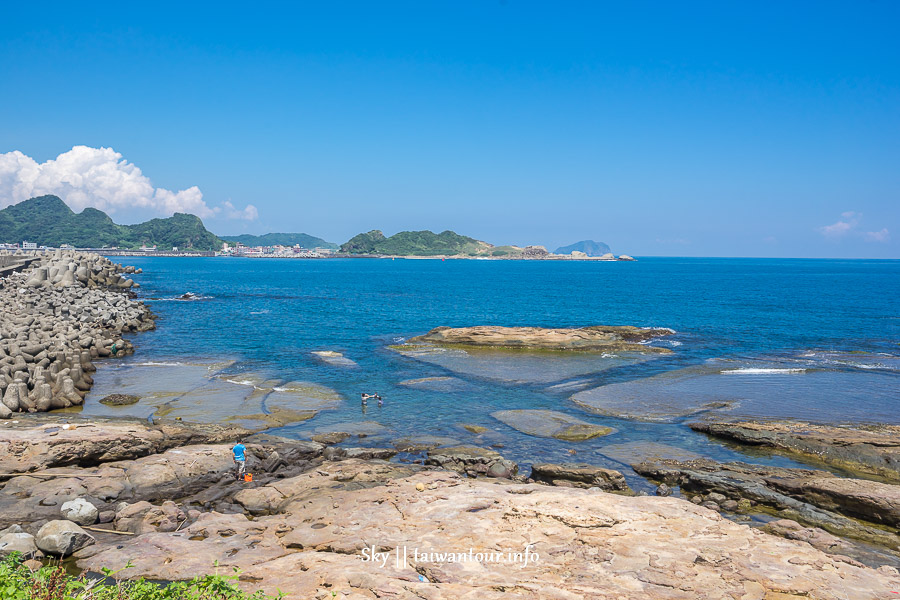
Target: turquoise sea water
{"x":809,"y":339}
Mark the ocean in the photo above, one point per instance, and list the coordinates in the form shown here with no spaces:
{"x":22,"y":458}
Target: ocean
{"x":763,"y":338}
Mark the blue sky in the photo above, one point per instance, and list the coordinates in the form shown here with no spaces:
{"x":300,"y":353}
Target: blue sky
{"x":710,"y":129}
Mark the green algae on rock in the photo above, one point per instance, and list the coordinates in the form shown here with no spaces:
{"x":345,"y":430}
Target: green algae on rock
{"x":599,"y":338}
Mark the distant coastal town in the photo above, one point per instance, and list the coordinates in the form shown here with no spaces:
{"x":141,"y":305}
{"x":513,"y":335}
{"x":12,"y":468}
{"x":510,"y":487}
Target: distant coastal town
{"x":239,"y":250}
{"x":47,"y":224}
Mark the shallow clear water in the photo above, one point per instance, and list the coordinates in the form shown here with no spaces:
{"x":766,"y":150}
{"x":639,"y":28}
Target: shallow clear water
{"x":838,"y":320}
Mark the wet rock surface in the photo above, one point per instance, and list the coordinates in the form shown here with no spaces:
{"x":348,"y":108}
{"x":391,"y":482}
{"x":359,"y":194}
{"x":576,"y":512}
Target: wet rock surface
{"x":551,"y":424}
{"x":868,"y":450}
{"x":600,"y":338}
{"x":62,"y":538}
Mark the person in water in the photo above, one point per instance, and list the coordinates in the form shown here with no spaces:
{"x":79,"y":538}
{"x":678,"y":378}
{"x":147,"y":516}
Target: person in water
{"x":365,"y":397}
{"x":240,"y":460}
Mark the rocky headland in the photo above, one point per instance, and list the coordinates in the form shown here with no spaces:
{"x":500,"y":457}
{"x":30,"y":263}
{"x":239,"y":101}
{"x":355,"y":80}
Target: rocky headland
{"x":61,"y":311}
{"x":600,"y":338}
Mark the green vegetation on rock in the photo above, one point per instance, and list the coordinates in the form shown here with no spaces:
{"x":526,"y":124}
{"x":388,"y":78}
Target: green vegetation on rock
{"x":364,"y":243}
{"x":18,"y":582}
{"x":47,"y":221}
{"x":280,"y":239}
{"x":416,"y":243}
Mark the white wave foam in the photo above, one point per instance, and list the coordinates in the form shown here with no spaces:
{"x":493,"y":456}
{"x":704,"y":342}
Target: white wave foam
{"x":758,"y":371}
{"x":158,"y":364}
{"x":243,"y":382}
{"x":260,"y":312}
{"x":669,"y":329}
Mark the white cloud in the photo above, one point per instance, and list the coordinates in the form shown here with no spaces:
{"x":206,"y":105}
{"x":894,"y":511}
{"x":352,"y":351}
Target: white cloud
{"x":101,"y":178}
{"x":878,"y":236}
{"x":248,"y":214}
{"x":850,"y":226}
{"x":841,"y":228}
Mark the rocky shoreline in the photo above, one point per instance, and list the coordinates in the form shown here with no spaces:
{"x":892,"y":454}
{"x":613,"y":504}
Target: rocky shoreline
{"x":105,"y":493}
{"x":162,"y":497}
{"x":61,"y":311}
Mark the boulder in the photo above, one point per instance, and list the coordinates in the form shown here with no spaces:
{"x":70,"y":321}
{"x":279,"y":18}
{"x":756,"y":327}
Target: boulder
{"x":80,"y":511}
{"x":23,"y":543}
{"x":62,"y":538}
{"x":579,"y":475}
{"x":472,"y":461}
{"x":119,"y":400}
{"x":331,"y":437}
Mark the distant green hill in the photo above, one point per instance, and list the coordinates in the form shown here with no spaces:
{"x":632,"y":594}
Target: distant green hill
{"x":589,"y":247}
{"x":415,"y":243}
{"x":47,"y":221}
{"x":280,"y":239}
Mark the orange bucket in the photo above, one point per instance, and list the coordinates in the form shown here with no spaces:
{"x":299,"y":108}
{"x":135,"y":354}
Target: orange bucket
{"x":248,"y":477}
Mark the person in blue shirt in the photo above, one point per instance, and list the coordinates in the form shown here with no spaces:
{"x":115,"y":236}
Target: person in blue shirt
{"x":240,"y":459}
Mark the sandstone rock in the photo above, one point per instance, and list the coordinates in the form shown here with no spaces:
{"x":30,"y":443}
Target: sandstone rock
{"x":143,"y":517}
{"x":62,"y":538}
{"x":370,"y":453}
{"x":471,"y":461}
{"x":203,"y":473}
{"x":870,"y":500}
{"x":600,"y":338}
{"x":46,"y":442}
{"x":332,"y":437}
{"x":80,"y":511}
{"x":764,"y":484}
{"x":550,"y":423}
{"x":817,"y":538}
{"x":590,"y":545}
{"x":873,"y":450}
{"x":23,"y":543}
{"x":580,"y":475}
{"x":419,"y":443}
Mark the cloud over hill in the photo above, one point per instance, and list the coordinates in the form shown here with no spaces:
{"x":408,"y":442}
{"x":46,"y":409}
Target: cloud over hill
{"x":100,"y":178}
